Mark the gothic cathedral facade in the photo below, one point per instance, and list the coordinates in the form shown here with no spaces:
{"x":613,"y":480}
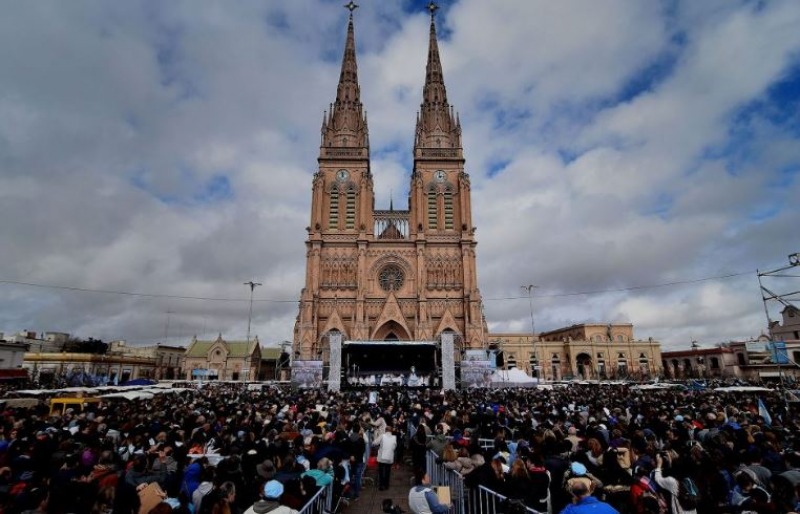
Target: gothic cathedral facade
{"x":390,"y":275}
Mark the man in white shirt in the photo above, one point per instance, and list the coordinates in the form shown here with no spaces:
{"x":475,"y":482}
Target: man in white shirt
{"x":386,"y":449}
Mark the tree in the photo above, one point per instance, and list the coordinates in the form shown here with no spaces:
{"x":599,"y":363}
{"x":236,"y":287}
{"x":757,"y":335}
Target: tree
{"x":90,"y":345}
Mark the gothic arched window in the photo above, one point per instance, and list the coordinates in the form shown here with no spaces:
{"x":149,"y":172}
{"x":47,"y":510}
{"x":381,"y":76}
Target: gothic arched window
{"x":333,"y":221}
{"x":448,"y":209}
{"x":391,"y":278}
{"x":433,"y":212}
{"x":350,"y":209}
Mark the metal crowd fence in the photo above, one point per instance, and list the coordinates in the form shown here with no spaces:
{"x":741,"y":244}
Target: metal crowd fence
{"x":466,"y":500}
{"x":320,"y":503}
{"x":486,"y":501}
{"x":442,"y":476}
{"x":484,"y":443}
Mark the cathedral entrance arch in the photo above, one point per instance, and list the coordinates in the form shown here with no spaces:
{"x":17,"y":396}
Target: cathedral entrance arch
{"x":391,"y":331}
{"x":583,"y":365}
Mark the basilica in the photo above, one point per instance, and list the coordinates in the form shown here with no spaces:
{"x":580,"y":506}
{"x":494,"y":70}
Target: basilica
{"x":390,"y":289}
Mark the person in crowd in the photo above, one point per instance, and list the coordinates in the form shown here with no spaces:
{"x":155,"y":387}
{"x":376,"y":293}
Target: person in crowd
{"x":584,"y":503}
{"x":206,"y":485}
{"x":220,"y":500}
{"x":422,"y":499}
{"x":91,"y":459}
{"x":271,"y":501}
{"x":669,"y":480}
{"x":387,"y":445}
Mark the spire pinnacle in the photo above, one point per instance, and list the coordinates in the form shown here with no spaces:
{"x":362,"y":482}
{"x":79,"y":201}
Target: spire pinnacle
{"x":436,"y":125}
{"x":432,"y":7}
{"x":347,"y":125}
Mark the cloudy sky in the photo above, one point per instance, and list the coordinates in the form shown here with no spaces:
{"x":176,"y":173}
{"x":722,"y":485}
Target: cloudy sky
{"x":167,"y":149}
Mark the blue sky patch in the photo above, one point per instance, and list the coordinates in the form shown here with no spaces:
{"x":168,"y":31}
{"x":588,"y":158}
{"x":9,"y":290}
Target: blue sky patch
{"x":189,"y":192}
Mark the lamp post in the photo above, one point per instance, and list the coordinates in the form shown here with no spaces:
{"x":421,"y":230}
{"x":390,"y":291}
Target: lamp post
{"x":529,"y":288}
{"x":252,"y":285}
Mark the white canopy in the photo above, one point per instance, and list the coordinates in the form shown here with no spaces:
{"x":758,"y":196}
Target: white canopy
{"x":743,"y":389}
{"x":512,"y":378}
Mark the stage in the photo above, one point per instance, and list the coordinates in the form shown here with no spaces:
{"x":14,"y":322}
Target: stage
{"x":390,"y":363}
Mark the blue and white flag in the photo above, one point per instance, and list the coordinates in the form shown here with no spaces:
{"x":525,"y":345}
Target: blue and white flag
{"x":762,"y":411}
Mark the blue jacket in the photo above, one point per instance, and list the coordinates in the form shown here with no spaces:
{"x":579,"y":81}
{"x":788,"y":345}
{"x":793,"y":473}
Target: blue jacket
{"x":589,"y":505}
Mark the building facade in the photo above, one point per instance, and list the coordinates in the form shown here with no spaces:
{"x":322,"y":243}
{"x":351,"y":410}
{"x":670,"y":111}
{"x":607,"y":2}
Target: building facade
{"x":789,"y":328}
{"x":583,"y":351}
{"x":223,"y":360}
{"x":168,"y":359}
{"x":12,"y":357}
{"x":389,"y":275}
{"x":755,"y":360}
{"x":74,"y":369}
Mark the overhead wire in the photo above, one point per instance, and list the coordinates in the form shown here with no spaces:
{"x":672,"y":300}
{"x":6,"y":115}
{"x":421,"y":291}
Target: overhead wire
{"x":272,"y":300}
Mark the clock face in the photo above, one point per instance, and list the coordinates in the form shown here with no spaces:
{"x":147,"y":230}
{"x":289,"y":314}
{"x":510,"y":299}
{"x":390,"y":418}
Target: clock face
{"x":439,"y":175}
{"x":342,"y":175}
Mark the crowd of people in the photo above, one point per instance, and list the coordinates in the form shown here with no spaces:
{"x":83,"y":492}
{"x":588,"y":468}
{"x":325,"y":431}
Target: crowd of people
{"x":223,"y":448}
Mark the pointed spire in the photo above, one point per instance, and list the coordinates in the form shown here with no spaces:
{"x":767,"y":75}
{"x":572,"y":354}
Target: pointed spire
{"x":346,"y":126}
{"x":436,"y":125}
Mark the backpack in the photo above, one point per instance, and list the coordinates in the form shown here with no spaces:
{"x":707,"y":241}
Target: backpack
{"x":688,"y":494}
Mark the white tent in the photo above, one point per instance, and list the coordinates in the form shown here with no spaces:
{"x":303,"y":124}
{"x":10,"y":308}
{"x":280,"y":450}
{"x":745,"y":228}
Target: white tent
{"x":512,"y":378}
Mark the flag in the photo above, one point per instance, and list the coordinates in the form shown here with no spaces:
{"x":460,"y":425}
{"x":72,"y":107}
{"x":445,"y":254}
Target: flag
{"x":762,"y":411}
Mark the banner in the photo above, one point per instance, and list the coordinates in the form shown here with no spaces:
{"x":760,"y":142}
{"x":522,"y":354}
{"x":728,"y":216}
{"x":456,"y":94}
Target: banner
{"x":476,"y":373}
{"x":777,"y":350}
{"x":306,"y":373}
{"x":755,"y":346}
{"x":475,"y":355}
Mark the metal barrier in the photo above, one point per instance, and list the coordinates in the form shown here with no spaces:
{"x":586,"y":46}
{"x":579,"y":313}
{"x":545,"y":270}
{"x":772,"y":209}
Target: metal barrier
{"x":465,"y":500}
{"x":442,"y":476}
{"x":320,"y":503}
{"x":486,"y":501}
{"x":484,"y":443}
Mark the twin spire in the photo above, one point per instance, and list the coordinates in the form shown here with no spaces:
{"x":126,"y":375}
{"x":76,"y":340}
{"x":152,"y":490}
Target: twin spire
{"x":345,"y":124}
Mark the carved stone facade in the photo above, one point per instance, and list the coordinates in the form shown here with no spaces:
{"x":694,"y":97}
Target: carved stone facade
{"x":390,"y":274}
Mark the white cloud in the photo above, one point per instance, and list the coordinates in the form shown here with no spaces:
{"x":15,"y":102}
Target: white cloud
{"x":604,"y":142}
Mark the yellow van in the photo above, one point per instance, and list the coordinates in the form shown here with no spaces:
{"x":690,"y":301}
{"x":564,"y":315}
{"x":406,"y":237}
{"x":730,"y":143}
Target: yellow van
{"x":59,"y":405}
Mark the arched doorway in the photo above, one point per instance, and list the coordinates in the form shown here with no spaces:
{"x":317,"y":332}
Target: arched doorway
{"x":583,"y":365}
{"x":392,"y":331}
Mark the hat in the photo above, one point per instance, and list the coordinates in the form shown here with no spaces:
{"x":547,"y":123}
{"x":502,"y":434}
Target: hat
{"x":678,"y":418}
{"x":266,"y":469}
{"x":273,"y":489}
{"x":577,"y":469}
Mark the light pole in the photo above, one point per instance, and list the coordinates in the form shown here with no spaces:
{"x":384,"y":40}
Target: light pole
{"x":252,"y":285}
{"x":529,"y":288}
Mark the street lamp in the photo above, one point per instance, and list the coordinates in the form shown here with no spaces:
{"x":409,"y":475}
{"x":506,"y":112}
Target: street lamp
{"x":529,"y":288}
{"x":252,"y":285}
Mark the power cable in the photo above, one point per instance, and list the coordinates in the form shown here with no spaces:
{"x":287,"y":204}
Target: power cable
{"x":213,"y":299}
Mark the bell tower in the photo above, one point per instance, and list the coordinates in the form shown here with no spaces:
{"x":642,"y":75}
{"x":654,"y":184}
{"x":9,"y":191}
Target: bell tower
{"x":440,"y":205}
{"x":389,"y":275}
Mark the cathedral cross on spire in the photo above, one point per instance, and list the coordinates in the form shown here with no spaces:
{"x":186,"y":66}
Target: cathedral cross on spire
{"x":432,"y":7}
{"x":351,"y":6}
